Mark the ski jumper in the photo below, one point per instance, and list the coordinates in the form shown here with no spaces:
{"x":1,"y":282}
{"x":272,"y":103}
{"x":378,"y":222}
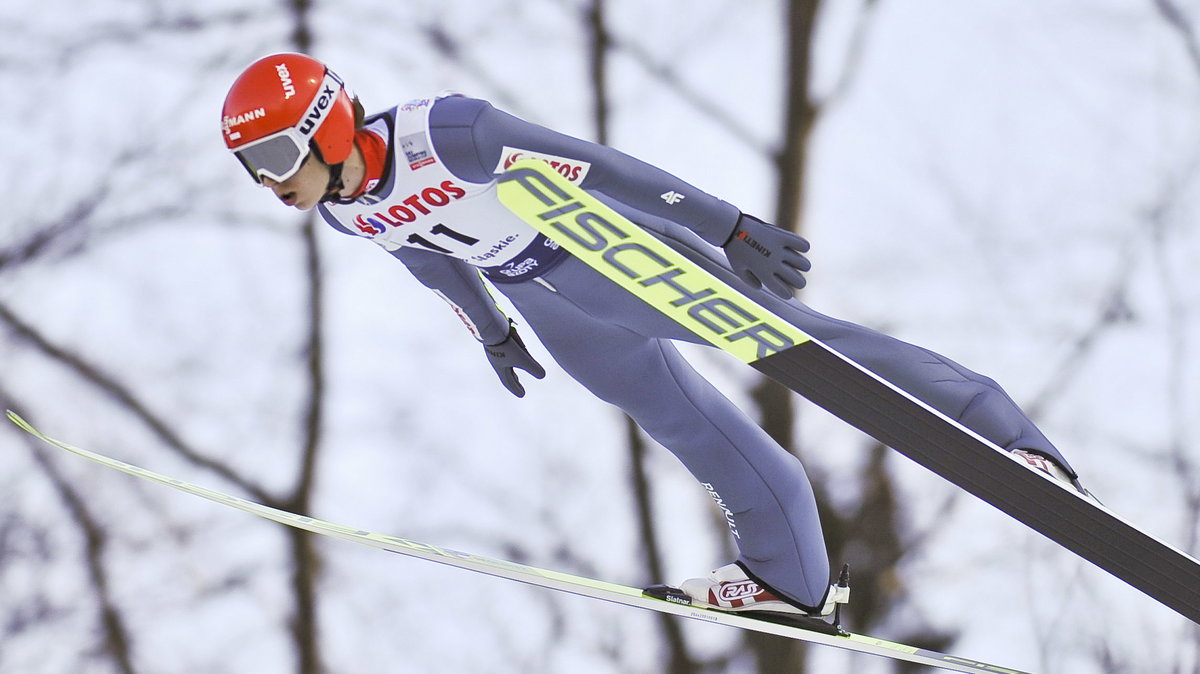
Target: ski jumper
{"x":435,"y":209}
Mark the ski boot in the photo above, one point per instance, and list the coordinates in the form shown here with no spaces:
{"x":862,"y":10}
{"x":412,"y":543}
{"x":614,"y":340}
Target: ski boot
{"x":1041,"y":463}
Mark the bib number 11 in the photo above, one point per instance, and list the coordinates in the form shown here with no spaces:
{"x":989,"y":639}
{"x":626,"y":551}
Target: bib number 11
{"x":441,"y":230}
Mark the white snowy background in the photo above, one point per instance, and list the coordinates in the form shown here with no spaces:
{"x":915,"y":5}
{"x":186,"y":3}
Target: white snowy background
{"x":1013,"y":184}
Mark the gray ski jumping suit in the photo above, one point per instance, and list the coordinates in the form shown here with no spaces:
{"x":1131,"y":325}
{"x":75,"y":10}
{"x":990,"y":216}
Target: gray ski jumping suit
{"x":435,"y":209}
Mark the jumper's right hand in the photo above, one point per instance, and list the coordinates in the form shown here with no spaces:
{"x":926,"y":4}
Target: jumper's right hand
{"x":509,"y":355}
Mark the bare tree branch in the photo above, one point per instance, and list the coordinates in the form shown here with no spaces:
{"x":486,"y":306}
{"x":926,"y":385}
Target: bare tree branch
{"x":1114,"y":310}
{"x":855,"y":48}
{"x":68,"y":229}
{"x":71,"y":50}
{"x":1178,"y":21}
{"x":125,"y":397}
{"x":117,"y":639}
{"x":448,"y":46}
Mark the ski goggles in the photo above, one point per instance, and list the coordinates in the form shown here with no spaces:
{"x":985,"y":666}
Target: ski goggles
{"x":280,"y":155}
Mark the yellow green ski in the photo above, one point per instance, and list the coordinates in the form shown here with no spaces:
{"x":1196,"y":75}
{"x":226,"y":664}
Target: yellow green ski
{"x":696,"y":298}
{"x":532,"y":575}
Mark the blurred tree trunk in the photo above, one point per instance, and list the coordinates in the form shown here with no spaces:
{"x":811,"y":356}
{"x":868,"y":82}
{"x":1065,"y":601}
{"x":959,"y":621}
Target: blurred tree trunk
{"x":679,"y":661}
{"x":774,"y":401}
{"x":867,"y":534}
{"x":871,"y":529}
{"x":305,"y":559}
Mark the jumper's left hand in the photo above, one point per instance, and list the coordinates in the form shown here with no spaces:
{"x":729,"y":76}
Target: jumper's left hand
{"x":766,"y":255}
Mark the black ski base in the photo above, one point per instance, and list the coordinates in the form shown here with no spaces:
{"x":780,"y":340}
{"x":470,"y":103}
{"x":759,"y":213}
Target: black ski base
{"x":1074,"y":521}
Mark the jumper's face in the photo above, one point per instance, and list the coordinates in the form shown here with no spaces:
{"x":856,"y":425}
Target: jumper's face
{"x":305,"y":188}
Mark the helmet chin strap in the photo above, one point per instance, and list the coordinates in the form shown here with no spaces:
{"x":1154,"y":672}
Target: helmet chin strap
{"x":335,"y":186}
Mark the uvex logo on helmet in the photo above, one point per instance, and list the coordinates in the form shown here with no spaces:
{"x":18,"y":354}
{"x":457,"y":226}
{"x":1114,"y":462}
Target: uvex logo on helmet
{"x":320,"y":105}
{"x":285,"y":78}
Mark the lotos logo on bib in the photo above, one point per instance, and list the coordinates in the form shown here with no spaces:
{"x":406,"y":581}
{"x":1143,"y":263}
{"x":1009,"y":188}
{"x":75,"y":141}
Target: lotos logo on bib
{"x":409,"y":209}
{"x":571,"y":169}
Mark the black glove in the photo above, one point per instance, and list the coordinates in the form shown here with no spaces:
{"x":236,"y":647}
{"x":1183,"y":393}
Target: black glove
{"x":766,"y":255}
{"x":510,"y":354}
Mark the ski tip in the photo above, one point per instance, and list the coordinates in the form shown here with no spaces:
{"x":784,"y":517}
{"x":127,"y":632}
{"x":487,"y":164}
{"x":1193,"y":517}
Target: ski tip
{"x":16,"y":419}
{"x":20,"y":422}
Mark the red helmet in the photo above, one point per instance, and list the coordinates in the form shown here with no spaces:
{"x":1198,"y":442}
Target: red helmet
{"x":282,"y":105}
